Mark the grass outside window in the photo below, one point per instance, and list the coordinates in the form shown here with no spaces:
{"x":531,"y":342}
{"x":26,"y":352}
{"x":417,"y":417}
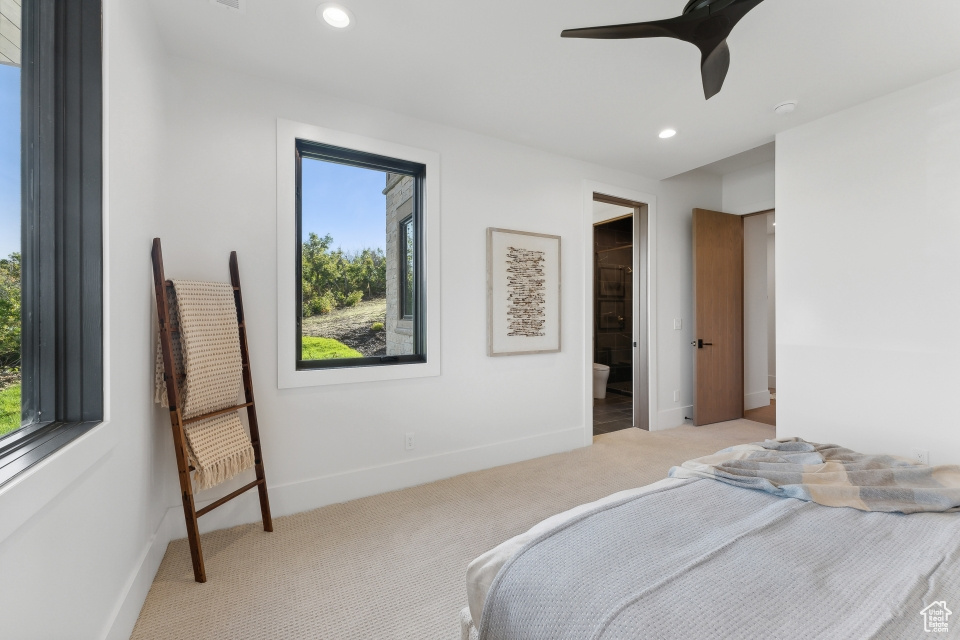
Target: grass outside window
{"x":9,"y":409}
{"x":316,"y":348}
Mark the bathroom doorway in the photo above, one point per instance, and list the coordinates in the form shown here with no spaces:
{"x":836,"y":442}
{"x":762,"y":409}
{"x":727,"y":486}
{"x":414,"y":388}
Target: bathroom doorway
{"x":620,"y":393}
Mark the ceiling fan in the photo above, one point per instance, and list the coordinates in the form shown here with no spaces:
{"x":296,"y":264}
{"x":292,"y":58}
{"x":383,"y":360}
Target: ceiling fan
{"x":704,"y":23}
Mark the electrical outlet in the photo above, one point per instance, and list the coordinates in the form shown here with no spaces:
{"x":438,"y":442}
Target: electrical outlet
{"x":676,"y":395}
{"x":922,"y":456}
{"x":677,"y":324}
{"x":409,"y":441}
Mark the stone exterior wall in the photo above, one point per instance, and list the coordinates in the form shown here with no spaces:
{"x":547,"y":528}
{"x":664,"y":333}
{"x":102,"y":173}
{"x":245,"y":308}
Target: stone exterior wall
{"x":10,"y":24}
{"x":399,"y":192}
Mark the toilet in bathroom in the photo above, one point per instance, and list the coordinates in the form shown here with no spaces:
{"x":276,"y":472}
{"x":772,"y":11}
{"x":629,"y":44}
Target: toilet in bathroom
{"x":601,"y":373}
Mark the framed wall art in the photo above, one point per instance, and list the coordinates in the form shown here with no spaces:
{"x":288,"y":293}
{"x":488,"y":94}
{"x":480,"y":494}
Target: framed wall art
{"x":523,"y":292}
{"x":611,"y":282}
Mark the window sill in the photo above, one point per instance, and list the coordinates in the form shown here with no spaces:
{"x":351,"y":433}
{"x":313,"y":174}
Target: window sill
{"x":28,"y":446}
{"x":52,"y":465}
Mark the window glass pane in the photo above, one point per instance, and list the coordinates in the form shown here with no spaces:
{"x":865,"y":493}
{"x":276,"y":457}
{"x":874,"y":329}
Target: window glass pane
{"x":407,"y":267}
{"x":10,"y":215}
{"x":359,"y":271}
{"x":344,"y":264}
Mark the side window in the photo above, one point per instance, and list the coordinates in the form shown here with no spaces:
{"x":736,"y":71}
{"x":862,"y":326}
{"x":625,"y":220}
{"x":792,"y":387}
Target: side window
{"x":407,"y":266}
{"x":360,"y":273}
{"x":51,"y":253}
{"x":10,"y":215}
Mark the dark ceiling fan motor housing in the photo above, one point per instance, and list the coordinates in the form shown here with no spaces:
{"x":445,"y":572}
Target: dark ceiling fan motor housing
{"x":693,"y":5}
{"x":704,"y":23}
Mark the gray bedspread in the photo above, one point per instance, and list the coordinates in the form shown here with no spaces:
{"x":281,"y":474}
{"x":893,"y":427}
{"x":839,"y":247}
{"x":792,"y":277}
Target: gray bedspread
{"x":709,"y":560}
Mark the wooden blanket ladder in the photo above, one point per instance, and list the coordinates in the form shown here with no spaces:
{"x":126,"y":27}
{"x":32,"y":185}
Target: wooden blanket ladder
{"x":167,"y":327}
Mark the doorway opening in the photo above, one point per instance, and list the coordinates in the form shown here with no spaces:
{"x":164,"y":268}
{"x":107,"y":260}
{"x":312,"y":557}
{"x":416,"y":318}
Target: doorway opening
{"x":620,"y":385}
{"x":734,"y":362}
{"x":759,"y":306}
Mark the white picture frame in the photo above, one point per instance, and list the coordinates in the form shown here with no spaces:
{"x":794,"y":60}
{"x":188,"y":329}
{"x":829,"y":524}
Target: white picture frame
{"x":523,"y":293}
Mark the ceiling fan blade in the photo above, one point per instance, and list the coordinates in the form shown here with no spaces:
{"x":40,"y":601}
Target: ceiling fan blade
{"x":672,"y":28}
{"x":739,"y":8}
{"x":706,"y":25}
{"x":713,"y":68}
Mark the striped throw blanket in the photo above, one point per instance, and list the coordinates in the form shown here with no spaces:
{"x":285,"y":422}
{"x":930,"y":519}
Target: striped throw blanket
{"x":832,"y":476}
{"x":209,"y":370}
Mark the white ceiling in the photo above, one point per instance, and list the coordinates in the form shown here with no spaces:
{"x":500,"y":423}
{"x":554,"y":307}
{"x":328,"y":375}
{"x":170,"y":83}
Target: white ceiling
{"x":750,"y":158}
{"x":499,"y":67}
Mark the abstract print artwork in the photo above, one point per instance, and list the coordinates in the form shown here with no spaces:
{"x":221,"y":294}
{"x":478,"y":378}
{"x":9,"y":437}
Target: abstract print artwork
{"x":523,"y":292}
{"x":526,"y":285}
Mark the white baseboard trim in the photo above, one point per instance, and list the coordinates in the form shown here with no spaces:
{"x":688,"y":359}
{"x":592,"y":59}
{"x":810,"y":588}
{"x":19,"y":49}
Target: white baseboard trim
{"x":314,"y":493}
{"x":756,"y":400}
{"x":670,"y":418}
{"x":124,"y":616}
{"x":772,"y":382}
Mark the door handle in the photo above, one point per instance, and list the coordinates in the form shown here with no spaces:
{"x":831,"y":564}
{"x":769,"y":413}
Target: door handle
{"x":701,"y":344}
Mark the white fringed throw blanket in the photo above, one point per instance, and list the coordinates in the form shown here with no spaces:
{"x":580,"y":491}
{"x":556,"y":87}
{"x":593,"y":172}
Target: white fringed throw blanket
{"x":207,"y":352}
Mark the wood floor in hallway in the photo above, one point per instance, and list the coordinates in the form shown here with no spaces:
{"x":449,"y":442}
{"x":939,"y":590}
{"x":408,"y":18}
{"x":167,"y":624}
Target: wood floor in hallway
{"x":766,"y":415}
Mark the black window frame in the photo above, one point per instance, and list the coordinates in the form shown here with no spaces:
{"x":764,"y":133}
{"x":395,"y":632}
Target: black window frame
{"x":328,"y":153}
{"x":62,"y":230}
{"x":404,"y":312}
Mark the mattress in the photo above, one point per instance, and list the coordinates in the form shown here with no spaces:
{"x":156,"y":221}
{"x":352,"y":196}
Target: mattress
{"x":698,"y":558}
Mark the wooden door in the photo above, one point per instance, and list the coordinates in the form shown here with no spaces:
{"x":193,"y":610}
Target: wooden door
{"x":718,"y":317}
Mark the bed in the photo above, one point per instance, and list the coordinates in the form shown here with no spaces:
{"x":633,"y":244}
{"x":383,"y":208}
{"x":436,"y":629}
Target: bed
{"x":700,"y":556}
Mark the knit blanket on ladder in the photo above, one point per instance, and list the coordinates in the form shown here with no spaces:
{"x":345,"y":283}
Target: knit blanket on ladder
{"x":206,"y":352}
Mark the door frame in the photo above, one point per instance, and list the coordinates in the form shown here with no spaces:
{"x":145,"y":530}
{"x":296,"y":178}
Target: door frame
{"x":589,"y":188}
{"x":743,"y":347}
{"x":639,"y":312}
{"x":764,"y":212}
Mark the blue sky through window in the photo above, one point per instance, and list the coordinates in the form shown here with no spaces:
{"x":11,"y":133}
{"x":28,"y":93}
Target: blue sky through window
{"x":345,"y":202}
{"x":9,"y":160}
{"x":341,"y":200}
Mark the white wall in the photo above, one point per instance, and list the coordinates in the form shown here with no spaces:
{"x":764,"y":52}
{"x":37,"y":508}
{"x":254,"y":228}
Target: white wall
{"x":749,"y":190}
{"x":192,"y":159}
{"x":755,"y":336}
{"x":867,"y":272}
{"x":679,"y":197}
{"x":326,"y":444}
{"x":77,"y":528}
{"x":336,"y":443}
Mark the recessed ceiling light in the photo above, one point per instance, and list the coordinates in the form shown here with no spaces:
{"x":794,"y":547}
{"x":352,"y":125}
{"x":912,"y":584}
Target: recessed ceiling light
{"x":785,"y":108}
{"x":336,"y":16}
{"x":668,"y":133}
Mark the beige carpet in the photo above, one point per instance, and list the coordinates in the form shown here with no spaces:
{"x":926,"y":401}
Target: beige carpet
{"x":393,"y":565}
